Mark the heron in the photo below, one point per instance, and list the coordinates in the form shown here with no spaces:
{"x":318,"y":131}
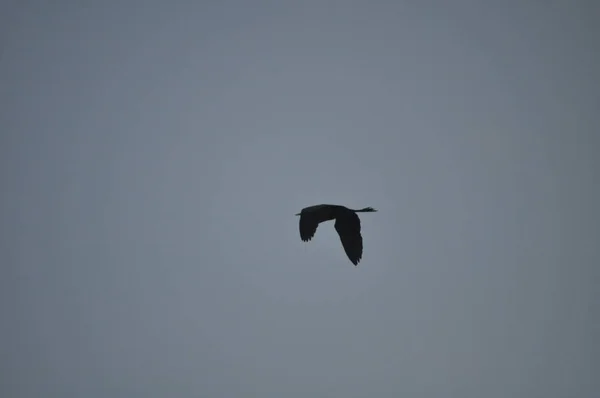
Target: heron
{"x":347,"y":225}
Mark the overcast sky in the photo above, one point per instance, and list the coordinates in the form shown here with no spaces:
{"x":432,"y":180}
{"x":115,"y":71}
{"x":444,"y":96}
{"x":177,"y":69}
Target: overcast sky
{"x":153,"y":155}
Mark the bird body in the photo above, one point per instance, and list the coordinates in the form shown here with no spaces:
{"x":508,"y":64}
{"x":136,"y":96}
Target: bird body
{"x":347,"y":225}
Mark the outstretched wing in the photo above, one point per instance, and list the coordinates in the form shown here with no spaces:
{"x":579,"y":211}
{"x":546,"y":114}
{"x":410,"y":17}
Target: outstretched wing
{"x":348,"y":228}
{"x":308,"y":227}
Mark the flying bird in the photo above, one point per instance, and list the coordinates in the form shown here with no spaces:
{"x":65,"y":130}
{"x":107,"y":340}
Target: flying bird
{"x":347,"y":225}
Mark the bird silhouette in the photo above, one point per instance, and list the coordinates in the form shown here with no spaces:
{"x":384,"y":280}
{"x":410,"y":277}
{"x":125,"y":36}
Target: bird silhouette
{"x":347,"y":225}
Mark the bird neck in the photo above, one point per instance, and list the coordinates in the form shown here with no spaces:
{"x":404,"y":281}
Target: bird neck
{"x":365,"y":210}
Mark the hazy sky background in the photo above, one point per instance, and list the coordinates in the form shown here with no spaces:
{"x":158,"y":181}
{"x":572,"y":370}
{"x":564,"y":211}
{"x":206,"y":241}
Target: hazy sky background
{"x":153,"y":155}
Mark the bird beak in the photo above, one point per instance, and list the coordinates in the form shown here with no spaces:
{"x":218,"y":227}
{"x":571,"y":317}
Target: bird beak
{"x":297,"y":214}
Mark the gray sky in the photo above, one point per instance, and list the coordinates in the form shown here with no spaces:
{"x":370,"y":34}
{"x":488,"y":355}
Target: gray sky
{"x":153,"y":155}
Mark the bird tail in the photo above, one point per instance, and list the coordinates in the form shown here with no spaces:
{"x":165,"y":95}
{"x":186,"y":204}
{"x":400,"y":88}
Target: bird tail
{"x":365,"y":210}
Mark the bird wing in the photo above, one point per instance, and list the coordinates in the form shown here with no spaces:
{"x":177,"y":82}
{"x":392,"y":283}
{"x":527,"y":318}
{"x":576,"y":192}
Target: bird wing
{"x":348,"y":228}
{"x":308,"y":227}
